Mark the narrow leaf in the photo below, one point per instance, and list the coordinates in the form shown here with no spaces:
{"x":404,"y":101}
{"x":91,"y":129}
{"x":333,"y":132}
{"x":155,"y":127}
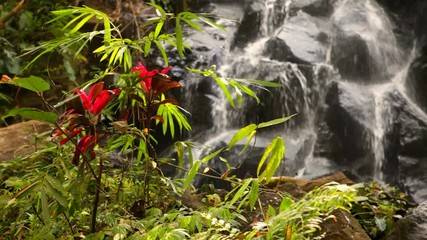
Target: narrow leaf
{"x":275,"y":121}
{"x":191,"y":174}
{"x":212,"y":155}
{"x":241,"y":134}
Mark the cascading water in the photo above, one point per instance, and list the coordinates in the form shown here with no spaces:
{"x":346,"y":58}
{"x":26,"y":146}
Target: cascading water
{"x":343,"y":72}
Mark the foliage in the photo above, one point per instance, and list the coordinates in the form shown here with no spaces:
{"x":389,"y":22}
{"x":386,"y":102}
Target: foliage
{"x":378,"y":208}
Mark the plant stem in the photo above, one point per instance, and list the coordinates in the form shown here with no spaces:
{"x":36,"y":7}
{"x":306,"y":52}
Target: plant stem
{"x":97,"y":191}
{"x":69,"y":223}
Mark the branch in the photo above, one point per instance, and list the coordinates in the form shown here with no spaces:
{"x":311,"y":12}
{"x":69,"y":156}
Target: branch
{"x":14,"y":11}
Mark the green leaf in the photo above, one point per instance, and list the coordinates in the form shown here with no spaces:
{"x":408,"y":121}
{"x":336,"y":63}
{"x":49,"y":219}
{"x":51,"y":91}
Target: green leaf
{"x":26,"y":191}
{"x":212,"y":23}
{"x":158,"y":28}
{"x":191,"y":174}
{"x":241,"y":192}
{"x":178,"y":32}
{"x":192,"y":24}
{"x":160,"y":9}
{"x":285,"y":204}
{"x":221,"y":82}
{"x":81,"y":23}
{"x":381,"y":224}
{"x":162,"y":51}
{"x":45,"y":206}
{"x":212,"y":155}
{"x":275,"y":121}
{"x":241,"y":134}
{"x":275,"y":151}
{"x":32,"y":113}
{"x":56,"y":192}
{"x":248,"y":141}
{"x":260,"y":82}
{"x":32,"y":83}
{"x":253,"y":194}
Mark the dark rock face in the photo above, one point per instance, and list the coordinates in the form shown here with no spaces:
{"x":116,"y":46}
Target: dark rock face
{"x":318,"y":8}
{"x":413,"y":226}
{"x":405,"y":151}
{"x":354,"y":63}
{"x":417,"y":79}
{"x":347,"y":129}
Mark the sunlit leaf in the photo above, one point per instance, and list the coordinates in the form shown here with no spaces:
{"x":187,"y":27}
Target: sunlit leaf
{"x":191,"y":174}
{"x":241,"y":134}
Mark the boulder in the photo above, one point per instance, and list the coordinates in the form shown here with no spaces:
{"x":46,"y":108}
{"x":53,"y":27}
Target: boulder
{"x":405,"y":152}
{"x":342,"y":227}
{"x":346,"y":135}
{"x":305,"y":37}
{"x":20,"y":139}
{"x":321,"y":8}
{"x":411,"y":227}
{"x":364,"y":48}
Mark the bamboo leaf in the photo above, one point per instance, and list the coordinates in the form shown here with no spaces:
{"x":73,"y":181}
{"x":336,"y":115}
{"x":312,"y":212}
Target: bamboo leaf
{"x":81,"y":23}
{"x":260,"y":82}
{"x":275,"y":121}
{"x":249,"y":140}
{"x":212,"y":155}
{"x":192,"y":24}
{"x":212,"y":23}
{"x":241,"y":134}
{"x":191,"y":174}
{"x":158,"y":28}
{"x":241,"y":192}
{"x":225,"y":90}
{"x":253,"y":194}
{"x":178,"y":32}
{"x":162,"y":51}
{"x":276,"y":151}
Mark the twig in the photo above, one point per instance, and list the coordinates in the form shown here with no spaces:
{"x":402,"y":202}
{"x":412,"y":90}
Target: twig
{"x":12,"y":13}
{"x":97,"y":191}
{"x":69,"y":223}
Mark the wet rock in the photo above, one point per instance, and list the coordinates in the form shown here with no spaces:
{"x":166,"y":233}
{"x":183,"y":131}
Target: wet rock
{"x":364,"y":48}
{"x":416,"y":80}
{"x":305,"y":37}
{"x":348,"y":117}
{"x":261,"y":19}
{"x":323,"y":8}
{"x":405,"y":141}
{"x":20,"y":139}
{"x":343,"y":227}
{"x":350,"y":54}
{"x":413,"y":226}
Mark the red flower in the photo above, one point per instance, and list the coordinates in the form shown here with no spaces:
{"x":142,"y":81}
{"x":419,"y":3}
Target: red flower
{"x":73,"y":123}
{"x":147,"y":76}
{"x":97,"y":99}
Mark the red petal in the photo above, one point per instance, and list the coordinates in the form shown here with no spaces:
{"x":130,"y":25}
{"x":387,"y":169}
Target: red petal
{"x":73,"y":134}
{"x":166,"y":70}
{"x":101,"y":102}
{"x":141,"y":68}
{"x":85,"y":99}
{"x":95,"y":91}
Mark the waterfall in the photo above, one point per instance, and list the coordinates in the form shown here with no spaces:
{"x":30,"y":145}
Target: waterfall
{"x":343,"y":71}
